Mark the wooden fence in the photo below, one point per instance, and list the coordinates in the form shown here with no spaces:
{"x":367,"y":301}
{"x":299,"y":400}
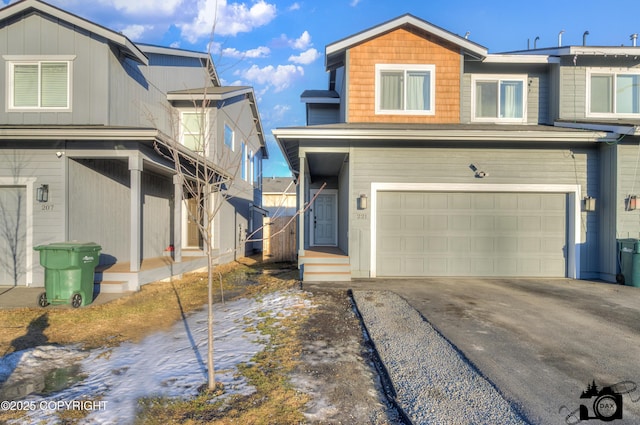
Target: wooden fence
{"x":279,"y":242}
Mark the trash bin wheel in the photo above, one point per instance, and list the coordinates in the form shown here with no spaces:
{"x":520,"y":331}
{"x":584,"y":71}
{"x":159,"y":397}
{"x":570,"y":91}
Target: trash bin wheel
{"x":76,"y":300}
{"x":42,"y":300}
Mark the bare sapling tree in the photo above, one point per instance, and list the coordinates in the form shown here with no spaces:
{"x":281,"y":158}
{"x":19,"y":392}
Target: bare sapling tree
{"x":209,"y":172}
{"x":12,"y":226}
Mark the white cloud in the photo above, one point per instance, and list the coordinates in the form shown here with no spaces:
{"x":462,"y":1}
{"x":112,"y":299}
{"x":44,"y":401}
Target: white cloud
{"x":303,"y":42}
{"x":354,"y":3}
{"x":294,"y":6}
{"x":134,"y":32}
{"x":305,"y":58}
{"x":140,"y":7}
{"x":230,"y":18}
{"x":280,"y":111}
{"x":259,"y":52}
{"x":280,"y":77}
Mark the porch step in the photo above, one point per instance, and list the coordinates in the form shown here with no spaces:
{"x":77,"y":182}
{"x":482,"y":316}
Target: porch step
{"x":327,"y":267}
{"x":336,"y":259}
{"x":113,"y":287}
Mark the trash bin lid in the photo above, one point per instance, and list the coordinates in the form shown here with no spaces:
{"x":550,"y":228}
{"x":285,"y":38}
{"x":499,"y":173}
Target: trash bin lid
{"x":70,"y":246}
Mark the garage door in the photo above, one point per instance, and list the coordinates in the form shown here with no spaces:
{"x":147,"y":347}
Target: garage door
{"x":471,"y":234}
{"x":12,"y":235}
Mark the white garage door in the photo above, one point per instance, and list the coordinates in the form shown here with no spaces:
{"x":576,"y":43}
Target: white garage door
{"x":471,"y":234}
{"x":12,"y":235}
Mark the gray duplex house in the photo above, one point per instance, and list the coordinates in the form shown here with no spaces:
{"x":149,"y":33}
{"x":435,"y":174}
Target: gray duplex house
{"x":87,"y":125}
{"x":426,"y":155}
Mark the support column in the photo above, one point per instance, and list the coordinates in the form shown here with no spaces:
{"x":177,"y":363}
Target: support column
{"x":177,"y":218}
{"x":302,"y":200}
{"x":135,"y":170}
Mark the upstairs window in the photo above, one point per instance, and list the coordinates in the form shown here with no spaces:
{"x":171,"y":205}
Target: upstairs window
{"x":499,"y":98}
{"x":613,"y":93}
{"x":243,"y":161}
{"x":193,"y":125}
{"x":228,"y":137}
{"x":405,"y":89}
{"x":39,"y":84}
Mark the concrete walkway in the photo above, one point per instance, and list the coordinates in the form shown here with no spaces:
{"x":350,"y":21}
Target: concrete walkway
{"x":22,"y":296}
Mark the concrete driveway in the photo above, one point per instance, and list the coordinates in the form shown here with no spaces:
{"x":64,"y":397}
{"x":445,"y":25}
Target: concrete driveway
{"x":539,"y":341}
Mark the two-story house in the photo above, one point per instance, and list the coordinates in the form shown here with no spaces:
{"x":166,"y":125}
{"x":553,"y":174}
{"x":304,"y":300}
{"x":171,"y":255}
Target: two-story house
{"x":428,"y":156}
{"x":92,"y":126}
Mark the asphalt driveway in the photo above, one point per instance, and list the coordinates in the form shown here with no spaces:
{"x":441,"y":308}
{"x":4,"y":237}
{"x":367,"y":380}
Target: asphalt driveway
{"x":540,"y":342}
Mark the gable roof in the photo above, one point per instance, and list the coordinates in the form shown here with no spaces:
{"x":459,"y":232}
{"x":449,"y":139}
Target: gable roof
{"x":126,"y":46}
{"x":334,"y":51}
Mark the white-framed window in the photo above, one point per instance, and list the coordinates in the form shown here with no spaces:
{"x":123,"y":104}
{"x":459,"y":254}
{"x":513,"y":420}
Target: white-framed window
{"x":257,"y":171}
{"x":612,"y":92}
{"x":193,"y":125}
{"x":405,"y":89}
{"x":499,"y":98}
{"x":39,"y":84}
{"x":250,"y":166}
{"x":228,"y":137}
{"x":243,"y":161}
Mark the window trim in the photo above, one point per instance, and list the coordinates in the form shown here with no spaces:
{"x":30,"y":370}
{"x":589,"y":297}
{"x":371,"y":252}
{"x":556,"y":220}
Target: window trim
{"x":613,"y":72}
{"x":224,"y":137}
{"x":205,"y":124}
{"x":431,"y":68}
{"x":13,"y":60}
{"x":498,"y":78}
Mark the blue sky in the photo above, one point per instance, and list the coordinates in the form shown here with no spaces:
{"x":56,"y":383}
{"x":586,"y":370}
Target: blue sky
{"x":277,"y":46}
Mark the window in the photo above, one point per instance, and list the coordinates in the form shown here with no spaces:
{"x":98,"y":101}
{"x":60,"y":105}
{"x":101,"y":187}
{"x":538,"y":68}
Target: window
{"x":228,"y":137}
{"x":499,"y":98}
{"x":405,"y":89}
{"x":257,"y":164}
{"x":250,"y":165}
{"x":243,"y":162}
{"x":39,"y":84}
{"x":193,"y":125}
{"x":613,"y":93}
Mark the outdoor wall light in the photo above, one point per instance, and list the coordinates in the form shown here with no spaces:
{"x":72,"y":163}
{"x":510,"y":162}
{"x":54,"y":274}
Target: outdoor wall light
{"x":589,"y":203}
{"x":42,"y":193}
{"x":362,"y":202}
{"x":632,"y":202}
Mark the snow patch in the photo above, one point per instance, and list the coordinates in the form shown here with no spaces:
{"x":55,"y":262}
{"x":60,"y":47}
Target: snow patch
{"x":164,"y":364}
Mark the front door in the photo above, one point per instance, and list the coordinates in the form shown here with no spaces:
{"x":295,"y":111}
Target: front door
{"x":324,"y":228}
{"x":193,"y":231}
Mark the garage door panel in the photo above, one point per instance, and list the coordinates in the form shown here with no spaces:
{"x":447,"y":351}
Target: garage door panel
{"x":477,"y":234}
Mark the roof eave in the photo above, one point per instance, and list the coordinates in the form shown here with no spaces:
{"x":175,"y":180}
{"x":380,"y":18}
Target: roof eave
{"x":442,"y":135}
{"x":127,"y":46}
{"x":469,"y":47}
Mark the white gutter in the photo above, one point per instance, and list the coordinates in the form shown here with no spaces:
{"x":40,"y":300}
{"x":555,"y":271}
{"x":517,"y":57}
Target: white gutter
{"x":627,"y":130}
{"x":443,"y":134}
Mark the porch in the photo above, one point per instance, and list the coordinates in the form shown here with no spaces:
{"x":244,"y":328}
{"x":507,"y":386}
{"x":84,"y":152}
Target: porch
{"x":324,"y":264}
{"x":118,"y":277}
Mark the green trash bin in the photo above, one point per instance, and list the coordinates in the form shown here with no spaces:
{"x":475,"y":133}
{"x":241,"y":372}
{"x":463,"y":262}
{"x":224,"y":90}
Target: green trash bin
{"x":68,"y":272}
{"x":629,"y":258}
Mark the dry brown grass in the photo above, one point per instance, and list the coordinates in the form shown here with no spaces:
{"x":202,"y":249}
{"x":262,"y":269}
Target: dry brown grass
{"x":155,"y":307}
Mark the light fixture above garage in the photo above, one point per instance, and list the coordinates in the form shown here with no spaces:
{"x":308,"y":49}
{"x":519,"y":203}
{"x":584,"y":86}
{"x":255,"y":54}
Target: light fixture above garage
{"x":589,"y":203}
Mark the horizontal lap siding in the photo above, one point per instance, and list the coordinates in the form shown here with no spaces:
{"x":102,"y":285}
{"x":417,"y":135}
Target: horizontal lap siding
{"x":451,"y":165}
{"x":403,"y":47}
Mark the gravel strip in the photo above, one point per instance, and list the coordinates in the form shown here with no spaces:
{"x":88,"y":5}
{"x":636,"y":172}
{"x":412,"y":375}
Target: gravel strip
{"x":434,"y":384}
